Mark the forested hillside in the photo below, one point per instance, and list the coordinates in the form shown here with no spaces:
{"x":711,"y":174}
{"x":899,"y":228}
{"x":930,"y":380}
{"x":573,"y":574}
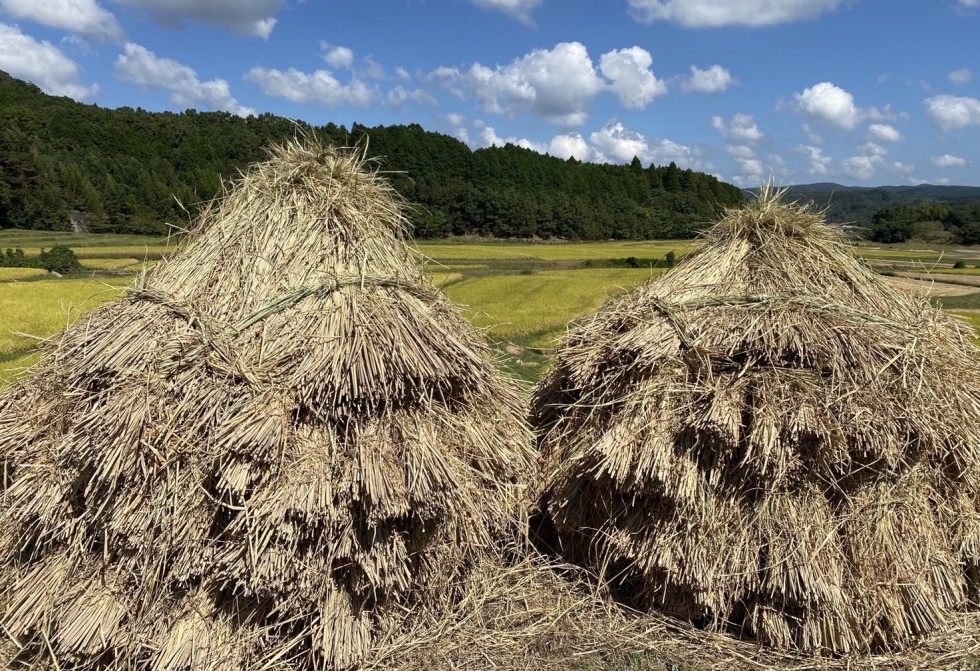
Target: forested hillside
{"x":134,"y":171}
{"x":859,"y":205}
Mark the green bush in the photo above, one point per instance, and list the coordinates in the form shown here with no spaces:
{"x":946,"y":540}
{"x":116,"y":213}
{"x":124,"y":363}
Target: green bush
{"x":60,"y":259}
{"x":960,"y":264}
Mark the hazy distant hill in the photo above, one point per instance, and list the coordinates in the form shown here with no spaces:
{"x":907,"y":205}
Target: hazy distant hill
{"x":858,"y":205}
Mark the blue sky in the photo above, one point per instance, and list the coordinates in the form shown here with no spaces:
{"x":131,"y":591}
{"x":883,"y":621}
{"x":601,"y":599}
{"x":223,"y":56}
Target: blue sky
{"x":863,"y":92}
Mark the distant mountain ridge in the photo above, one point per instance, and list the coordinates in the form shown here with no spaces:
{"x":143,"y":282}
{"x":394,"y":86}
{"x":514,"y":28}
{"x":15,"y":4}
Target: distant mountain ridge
{"x":857,"y":205}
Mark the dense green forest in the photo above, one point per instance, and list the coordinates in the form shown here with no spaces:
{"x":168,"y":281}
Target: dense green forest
{"x":132,"y":171}
{"x":933,"y":222}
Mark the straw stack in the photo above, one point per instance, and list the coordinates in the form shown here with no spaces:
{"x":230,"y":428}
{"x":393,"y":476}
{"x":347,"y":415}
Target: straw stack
{"x":280,"y":442}
{"x":772,"y":441}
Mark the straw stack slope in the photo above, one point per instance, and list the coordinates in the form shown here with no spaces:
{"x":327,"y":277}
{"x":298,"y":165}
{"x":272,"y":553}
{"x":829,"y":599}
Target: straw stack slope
{"x":280,"y":442}
{"x":770,"y":440}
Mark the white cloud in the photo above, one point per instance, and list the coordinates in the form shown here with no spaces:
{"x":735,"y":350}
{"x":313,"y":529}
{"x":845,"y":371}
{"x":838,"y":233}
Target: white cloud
{"x":341,"y":58}
{"x":948,"y":161}
{"x":42,"y":63}
{"x":885,"y":133}
{"x":714,"y":13}
{"x":969,"y":3}
{"x":712,"y":80}
{"x":402,"y":73}
{"x":519,"y":9}
{"x":398,"y":96}
{"x":489,"y":138}
{"x":630,"y":77}
{"x":458,"y":123}
{"x":615,"y":143}
{"x":829,"y":103}
{"x":371,"y":69}
{"x":814,"y":138}
{"x":751,"y":166}
{"x":316,"y":87}
{"x":249,"y":17}
{"x":82,"y":17}
{"x":142,"y":67}
{"x":952,"y":112}
{"x":861,"y":167}
{"x":961,"y":76}
{"x":819,"y":163}
{"x":872,"y":149}
{"x":742,"y":128}
{"x":902,"y":168}
{"x":558,"y":84}
{"x":741,"y":151}
{"x":567,"y":146}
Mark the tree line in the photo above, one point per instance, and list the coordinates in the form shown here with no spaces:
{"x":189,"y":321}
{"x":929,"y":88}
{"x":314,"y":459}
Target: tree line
{"x":934,"y":222}
{"x":132,"y":171}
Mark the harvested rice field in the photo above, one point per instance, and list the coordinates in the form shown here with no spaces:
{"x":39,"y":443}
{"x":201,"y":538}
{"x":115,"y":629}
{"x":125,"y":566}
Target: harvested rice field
{"x":522,"y":295}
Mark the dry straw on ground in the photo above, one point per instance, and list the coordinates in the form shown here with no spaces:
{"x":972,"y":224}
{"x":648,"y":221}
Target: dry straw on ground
{"x":280,"y":442}
{"x":771,"y":441}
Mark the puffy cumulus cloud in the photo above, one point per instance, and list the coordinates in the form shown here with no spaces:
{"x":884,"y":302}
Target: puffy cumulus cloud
{"x":948,"y":161}
{"x":751,"y":167}
{"x":519,"y":9}
{"x":489,"y":138}
{"x":142,"y":67}
{"x":82,"y":17}
{"x":715,"y":13}
{"x":319,"y":86}
{"x":399,"y":96}
{"x":614,"y":143}
{"x":819,"y":162}
{"x":952,"y":112}
{"x":618,"y":144}
{"x":457,"y":122}
{"x":570,"y":146}
{"x":562,"y":146}
{"x":712,"y":80}
{"x":341,"y":58}
{"x":249,"y":17}
{"x":42,"y":63}
{"x":630,"y":76}
{"x":829,"y":103}
{"x":962,"y":76}
{"x":885,"y":132}
{"x":861,"y":167}
{"x":558,"y":84}
{"x":742,"y":128}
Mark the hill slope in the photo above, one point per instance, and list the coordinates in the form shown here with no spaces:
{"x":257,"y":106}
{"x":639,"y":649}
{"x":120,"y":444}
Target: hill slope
{"x":858,"y":204}
{"x":129,"y":170}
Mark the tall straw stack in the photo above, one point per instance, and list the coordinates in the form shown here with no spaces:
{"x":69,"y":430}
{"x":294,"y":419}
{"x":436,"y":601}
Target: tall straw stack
{"x":280,"y":442}
{"x":770,"y":440}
